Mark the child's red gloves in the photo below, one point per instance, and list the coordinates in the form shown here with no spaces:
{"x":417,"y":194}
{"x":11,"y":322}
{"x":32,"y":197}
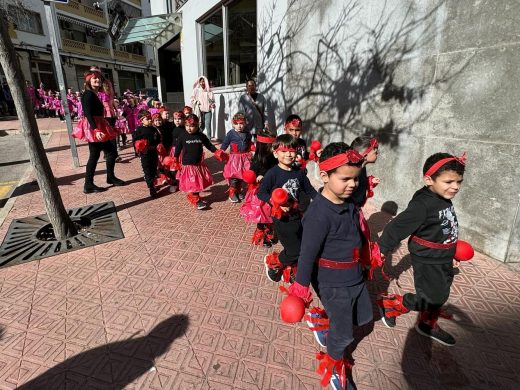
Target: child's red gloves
{"x":301,"y":292}
{"x":220,"y":155}
{"x":162,"y":150}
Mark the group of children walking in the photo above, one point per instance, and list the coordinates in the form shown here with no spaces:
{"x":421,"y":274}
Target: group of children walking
{"x":328,"y":245}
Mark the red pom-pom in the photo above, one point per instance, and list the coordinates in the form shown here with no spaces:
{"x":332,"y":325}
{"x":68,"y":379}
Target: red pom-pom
{"x":280,"y":196}
{"x":100,"y":135}
{"x":292,"y":309}
{"x":141,"y":145}
{"x":161,"y":150}
{"x":249,"y":176}
{"x":167,"y":161}
{"x":315,"y":145}
{"x":464,"y":251}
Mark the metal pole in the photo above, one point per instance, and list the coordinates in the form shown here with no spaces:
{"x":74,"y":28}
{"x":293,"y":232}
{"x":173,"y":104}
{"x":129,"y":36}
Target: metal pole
{"x":49,"y":15}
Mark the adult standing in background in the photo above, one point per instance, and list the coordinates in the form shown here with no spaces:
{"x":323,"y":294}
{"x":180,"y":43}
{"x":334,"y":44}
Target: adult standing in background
{"x":202,"y":102}
{"x":254,"y":105}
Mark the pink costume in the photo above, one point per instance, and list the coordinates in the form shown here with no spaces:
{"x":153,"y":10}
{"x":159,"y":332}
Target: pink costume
{"x":254,"y":210}
{"x":131,"y":117}
{"x":121,"y":123}
{"x":32,"y":95}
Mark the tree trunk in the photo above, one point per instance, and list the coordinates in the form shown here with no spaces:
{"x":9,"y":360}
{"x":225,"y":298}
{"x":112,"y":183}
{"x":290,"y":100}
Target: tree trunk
{"x":58,"y":216}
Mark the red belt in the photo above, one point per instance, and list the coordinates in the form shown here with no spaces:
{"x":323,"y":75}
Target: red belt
{"x":231,"y":152}
{"x":325,"y":263}
{"x":433,"y":245}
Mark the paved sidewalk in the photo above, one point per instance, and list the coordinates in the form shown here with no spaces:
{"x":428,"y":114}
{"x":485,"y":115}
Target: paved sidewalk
{"x":182,"y":303}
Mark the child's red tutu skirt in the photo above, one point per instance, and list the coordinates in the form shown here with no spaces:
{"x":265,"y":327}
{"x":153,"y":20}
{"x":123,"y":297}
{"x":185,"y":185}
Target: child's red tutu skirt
{"x":238,"y":163}
{"x":194,"y":178}
{"x":254,"y":210}
{"x":84,"y":132}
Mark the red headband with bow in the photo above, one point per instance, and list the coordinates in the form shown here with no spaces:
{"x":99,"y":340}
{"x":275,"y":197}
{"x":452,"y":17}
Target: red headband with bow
{"x":265,"y":140}
{"x":93,"y":74}
{"x":373,"y":145}
{"x":435,"y":167}
{"x":295,"y":122}
{"x":192,"y":120}
{"x":350,"y":156}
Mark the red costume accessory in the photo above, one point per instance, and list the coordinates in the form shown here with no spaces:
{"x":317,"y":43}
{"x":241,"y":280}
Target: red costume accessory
{"x":265,"y":140}
{"x":285,"y":149}
{"x":393,"y":302}
{"x":145,"y":115}
{"x":373,"y":145}
{"x":179,"y":114}
{"x":220,"y":155}
{"x":176,"y":165}
{"x":292,"y":308}
{"x":239,"y":121}
{"x":258,"y":236}
{"x":249,"y":176}
{"x":301,"y":291}
{"x":192,"y":198}
{"x":278,"y":198}
{"x":192,"y":120}
{"x":321,"y":322}
{"x":295,"y":122}
{"x":141,"y":145}
{"x":167,"y":162}
{"x":155,"y":116}
{"x":430,"y":244}
{"x":464,"y":251}
{"x":315,"y":146}
{"x":371,"y":257}
{"x":162,"y":150}
{"x":350,"y":156}
{"x":326,"y":368}
{"x":89,"y":75}
{"x":435,"y":167}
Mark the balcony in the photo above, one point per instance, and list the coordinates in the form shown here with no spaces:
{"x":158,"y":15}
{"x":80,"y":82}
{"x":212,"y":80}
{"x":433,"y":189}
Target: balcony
{"x":85,"y":48}
{"x":129,"y":57}
{"x":136,"y":2}
{"x":85,"y":11}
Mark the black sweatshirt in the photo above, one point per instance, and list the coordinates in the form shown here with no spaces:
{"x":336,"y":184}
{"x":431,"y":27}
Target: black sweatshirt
{"x":92,"y":107}
{"x":330,"y":231}
{"x":191,"y":147}
{"x":176,"y":133}
{"x":149,"y":133}
{"x":430,"y":217}
{"x":166,"y":131}
{"x":292,"y":181}
{"x":359,"y":196}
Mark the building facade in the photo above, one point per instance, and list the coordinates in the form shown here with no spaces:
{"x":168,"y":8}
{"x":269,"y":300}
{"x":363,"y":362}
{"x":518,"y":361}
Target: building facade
{"x":84,"y":41}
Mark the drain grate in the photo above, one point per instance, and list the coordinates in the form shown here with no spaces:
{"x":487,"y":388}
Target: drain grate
{"x":28,"y":238}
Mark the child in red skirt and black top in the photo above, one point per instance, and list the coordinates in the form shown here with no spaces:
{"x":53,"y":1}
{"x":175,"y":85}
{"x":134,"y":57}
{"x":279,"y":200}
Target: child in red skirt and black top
{"x":239,"y":161}
{"x":193,"y":173}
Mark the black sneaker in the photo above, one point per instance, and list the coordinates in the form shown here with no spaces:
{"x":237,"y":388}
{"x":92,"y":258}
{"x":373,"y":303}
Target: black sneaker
{"x":240,"y":196}
{"x":90,"y":188}
{"x":388,"y":321}
{"x":435,"y":333}
{"x":273,"y":274}
{"x":234,"y":198}
{"x":267,"y":243}
{"x":153,"y":192}
{"x":116,"y":182}
{"x":201,"y":205}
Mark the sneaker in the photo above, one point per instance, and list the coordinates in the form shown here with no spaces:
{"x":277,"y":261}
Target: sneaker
{"x":116,"y":182}
{"x":240,"y":196}
{"x":335,"y":382}
{"x":91,"y":188}
{"x":388,"y":321}
{"x":267,"y":243}
{"x":435,"y":333}
{"x":201,"y":205}
{"x":173,"y":188}
{"x":319,"y":335}
{"x":273,"y":274}
{"x":118,"y":159}
{"x":153,"y":192}
{"x":234,"y":198}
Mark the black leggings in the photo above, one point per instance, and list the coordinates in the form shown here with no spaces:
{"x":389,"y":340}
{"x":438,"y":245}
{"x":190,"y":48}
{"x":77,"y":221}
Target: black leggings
{"x":95,"y":149}
{"x":289,"y":232}
{"x":149,"y":164}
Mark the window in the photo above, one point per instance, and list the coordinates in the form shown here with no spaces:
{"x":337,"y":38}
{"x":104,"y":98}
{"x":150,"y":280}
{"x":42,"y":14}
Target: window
{"x":25,"y":20}
{"x":229,"y":49}
{"x":43,"y":72}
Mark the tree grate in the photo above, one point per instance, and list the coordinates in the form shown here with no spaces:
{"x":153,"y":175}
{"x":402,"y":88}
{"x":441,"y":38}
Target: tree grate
{"x":32,"y":238}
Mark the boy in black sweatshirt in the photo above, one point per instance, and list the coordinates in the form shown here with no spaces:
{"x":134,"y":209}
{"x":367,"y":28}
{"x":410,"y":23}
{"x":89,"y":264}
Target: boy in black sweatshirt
{"x":149,"y":157}
{"x":330,"y":260}
{"x":288,"y":226}
{"x":432,"y":225}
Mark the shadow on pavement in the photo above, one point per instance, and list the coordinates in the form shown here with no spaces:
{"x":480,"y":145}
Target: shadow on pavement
{"x":113,"y":365}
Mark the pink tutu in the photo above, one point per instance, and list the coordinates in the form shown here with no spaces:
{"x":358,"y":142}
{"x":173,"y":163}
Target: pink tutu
{"x":84,"y":132}
{"x":194,"y":178}
{"x":254,"y":210}
{"x":238,"y":163}
{"x":122,"y":126}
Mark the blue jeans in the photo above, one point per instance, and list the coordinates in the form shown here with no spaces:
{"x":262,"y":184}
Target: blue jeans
{"x":205,"y":123}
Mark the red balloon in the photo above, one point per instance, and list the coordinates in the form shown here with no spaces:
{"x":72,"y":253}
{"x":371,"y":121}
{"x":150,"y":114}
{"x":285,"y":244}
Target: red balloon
{"x":249,"y":176}
{"x":315,"y":145}
{"x":167,"y":161}
{"x":292,"y":309}
{"x":464,"y":251}
{"x":141,"y":145}
{"x":280,"y":196}
{"x":104,"y":136}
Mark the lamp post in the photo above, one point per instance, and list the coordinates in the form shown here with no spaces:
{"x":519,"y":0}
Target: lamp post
{"x":50,"y":16}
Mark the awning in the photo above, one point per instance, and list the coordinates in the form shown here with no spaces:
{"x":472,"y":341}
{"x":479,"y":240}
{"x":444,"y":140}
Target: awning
{"x":152,"y":30}
{"x":81,"y":23}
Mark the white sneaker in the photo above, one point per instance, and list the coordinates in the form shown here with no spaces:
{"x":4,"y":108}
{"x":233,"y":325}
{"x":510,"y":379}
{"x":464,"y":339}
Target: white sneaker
{"x":173,"y":189}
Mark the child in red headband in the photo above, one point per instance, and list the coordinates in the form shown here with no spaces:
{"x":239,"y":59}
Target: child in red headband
{"x":187,"y":110}
{"x":240,"y":142}
{"x":146,"y":138}
{"x":288,"y":225}
{"x":431,"y":223}
{"x":294,"y":126}
{"x":254,"y":210}
{"x":330,"y":260}
{"x":194,"y":175}
{"x":368,"y":147}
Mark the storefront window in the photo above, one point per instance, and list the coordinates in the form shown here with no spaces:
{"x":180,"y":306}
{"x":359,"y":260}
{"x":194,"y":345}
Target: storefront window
{"x":213,"y":35}
{"x":238,"y":59}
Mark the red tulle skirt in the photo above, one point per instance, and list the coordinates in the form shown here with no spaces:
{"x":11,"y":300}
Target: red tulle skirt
{"x":84,"y":132}
{"x":254,"y":210}
{"x":238,"y":163}
{"x":194,"y":178}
